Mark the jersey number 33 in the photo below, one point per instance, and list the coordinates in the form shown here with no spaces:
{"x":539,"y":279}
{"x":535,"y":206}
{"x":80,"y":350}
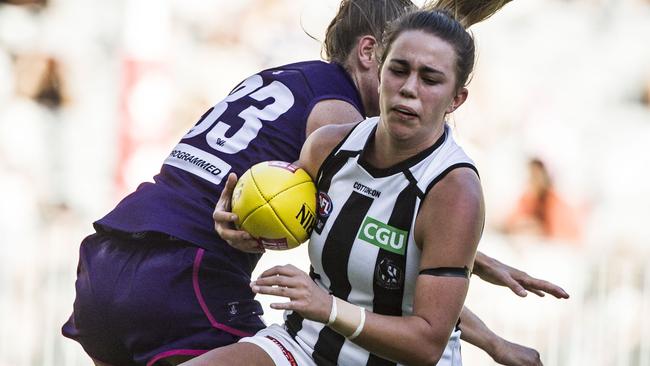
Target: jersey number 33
{"x":209,"y":166}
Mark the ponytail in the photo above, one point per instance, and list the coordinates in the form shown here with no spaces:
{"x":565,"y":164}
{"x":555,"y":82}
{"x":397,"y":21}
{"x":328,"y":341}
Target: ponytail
{"x":467,"y":12}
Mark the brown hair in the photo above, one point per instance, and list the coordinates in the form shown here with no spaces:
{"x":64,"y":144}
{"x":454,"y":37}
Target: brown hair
{"x":467,"y":12}
{"x":357,"y":18}
{"x":447,"y":19}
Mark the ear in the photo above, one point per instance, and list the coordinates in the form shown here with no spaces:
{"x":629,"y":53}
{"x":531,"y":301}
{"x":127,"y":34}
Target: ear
{"x":366,"y":52}
{"x":458,"y":100}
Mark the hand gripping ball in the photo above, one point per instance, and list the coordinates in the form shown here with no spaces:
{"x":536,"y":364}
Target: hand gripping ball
{"x":276,"y":203}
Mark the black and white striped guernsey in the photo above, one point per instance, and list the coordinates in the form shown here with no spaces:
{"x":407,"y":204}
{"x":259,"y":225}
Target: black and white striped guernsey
{"x":362,"y":249}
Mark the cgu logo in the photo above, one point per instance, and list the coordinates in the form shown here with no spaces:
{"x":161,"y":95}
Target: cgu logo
{"x":384,"y":236}
{"x":306,"y":218}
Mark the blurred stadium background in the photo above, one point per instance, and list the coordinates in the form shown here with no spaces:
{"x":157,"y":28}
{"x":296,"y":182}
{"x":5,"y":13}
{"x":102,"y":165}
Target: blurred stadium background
{"x":93,"y":95}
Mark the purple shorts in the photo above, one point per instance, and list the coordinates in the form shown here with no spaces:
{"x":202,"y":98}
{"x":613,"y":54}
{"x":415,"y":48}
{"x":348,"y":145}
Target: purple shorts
{"x":142,"y":300}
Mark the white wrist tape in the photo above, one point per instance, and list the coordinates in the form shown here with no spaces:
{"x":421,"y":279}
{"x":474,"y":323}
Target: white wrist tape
{"x":361,"y":324}
{"x":333,"y":312}
{"x":346,"y":319}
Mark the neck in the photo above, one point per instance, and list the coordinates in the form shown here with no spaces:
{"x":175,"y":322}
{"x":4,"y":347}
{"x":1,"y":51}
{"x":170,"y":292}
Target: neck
{"x":386,"y":150}
{"x":365,"y":92}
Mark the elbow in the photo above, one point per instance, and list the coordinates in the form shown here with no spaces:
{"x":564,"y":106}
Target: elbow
{"x":436,"y":349}
{"x":434,"y":357}
{"x":431,"y":354}
{"x":430,"y":360}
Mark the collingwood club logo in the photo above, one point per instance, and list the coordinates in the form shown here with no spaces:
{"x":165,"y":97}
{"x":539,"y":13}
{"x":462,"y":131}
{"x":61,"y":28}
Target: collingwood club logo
{"x":389,"y":275}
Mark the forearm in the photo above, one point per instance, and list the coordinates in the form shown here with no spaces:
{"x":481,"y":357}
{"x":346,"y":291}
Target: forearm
{"x":417,"y":339}
{"x":503,"y":352}
{"x":408,"y":340}
{"x":481,"y":263}
{"x":475,"y":332}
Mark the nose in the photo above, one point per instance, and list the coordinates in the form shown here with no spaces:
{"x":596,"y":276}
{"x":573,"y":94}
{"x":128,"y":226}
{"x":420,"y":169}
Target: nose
{"x":409,"y":87}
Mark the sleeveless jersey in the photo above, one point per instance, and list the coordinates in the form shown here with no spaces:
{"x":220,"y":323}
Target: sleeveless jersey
{"x":263,"y":118}
{"x":362,"y":249}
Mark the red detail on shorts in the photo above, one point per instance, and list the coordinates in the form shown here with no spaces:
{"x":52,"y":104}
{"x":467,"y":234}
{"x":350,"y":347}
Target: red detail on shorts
{"x":287,"y":354}
{"x":204,"y":306}
{"x":283,"y":164}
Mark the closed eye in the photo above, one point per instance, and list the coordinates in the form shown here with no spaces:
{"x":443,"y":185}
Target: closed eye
{"x":430,"y":81}
{"x":397,"y":71}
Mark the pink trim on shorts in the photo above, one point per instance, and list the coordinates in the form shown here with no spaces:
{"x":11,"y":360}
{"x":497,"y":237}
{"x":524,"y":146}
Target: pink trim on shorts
{"x":178,"y":352}
{"x":204,"y":306}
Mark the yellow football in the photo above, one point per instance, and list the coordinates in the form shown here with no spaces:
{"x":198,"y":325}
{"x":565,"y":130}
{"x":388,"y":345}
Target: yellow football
{"x":276,"y":203}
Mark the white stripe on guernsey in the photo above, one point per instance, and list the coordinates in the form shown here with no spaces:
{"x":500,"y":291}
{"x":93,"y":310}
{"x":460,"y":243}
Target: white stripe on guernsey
{"x":198,"y":162}
{"x":362,"y":262}
{"x":353,"y":142}
{"x":447,"y":155}
{"x":351,"y":354}
{"x":307,"y":337}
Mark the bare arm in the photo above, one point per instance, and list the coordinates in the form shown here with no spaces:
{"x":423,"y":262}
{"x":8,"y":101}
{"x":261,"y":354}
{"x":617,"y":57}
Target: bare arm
{"x":475,"y":332}
{"x":495,"y":272}
{"x":330,"y":112}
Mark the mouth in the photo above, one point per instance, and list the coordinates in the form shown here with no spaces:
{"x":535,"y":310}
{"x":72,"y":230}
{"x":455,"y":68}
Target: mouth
{"x":404,"y":111}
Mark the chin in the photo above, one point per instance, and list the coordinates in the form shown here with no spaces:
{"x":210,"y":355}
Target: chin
{"x":401,"y":129}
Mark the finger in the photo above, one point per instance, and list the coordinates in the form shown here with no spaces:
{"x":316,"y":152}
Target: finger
{"x":537,"y":292}
{"x":249,"y":246}
{"x":275,"y":291}
{"x":278,"y":280}
{"x":222,"y":217}
{"x":290,"y":305}
{"x":537,"y":285}
{"x":513,"y":285}
{"x":234,"y":235}
{"x":239,"y":239}
{"x":226,"y":193}
{"x":286,"y":270}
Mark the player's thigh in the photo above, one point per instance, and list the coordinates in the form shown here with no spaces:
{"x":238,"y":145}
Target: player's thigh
{"x":238,"y":354}
{"x":99,"y":363}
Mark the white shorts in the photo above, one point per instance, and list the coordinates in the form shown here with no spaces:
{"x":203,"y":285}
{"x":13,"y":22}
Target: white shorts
{"x":280,"y":346}
{"x":277,"y":343}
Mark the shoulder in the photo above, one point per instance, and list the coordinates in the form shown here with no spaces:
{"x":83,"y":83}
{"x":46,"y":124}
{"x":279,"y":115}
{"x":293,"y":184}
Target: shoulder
{"x":453,"y":207}
{"x":320,"y":144}
{"x":460,"y":186}
{"x":332,"y":112}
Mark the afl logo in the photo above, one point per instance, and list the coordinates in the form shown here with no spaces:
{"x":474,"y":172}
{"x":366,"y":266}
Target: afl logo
{"x":324,"y":205}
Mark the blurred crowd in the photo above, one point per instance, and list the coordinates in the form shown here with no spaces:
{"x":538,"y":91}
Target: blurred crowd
{"x":93,"y":94}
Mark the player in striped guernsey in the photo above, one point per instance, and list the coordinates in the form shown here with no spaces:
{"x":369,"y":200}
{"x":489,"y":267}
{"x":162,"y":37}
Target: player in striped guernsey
{"x":401,"y":214}
{"x":155,"y":284}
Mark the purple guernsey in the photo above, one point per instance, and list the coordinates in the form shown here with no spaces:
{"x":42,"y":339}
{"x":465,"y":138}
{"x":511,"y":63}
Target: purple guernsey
{"x":263,"y":118}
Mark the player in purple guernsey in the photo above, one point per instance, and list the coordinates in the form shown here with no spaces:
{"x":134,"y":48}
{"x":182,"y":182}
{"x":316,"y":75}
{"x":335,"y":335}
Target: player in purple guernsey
{"x":264,"y":118}
{"x":156,"y":284}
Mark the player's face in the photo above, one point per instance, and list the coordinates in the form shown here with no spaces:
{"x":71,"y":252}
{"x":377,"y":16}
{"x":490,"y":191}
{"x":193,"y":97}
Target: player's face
{"x":418,"y":85}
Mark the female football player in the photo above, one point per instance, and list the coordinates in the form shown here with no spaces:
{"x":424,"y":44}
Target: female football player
{"x":397,"y":301}
{"x":155,"y":283}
